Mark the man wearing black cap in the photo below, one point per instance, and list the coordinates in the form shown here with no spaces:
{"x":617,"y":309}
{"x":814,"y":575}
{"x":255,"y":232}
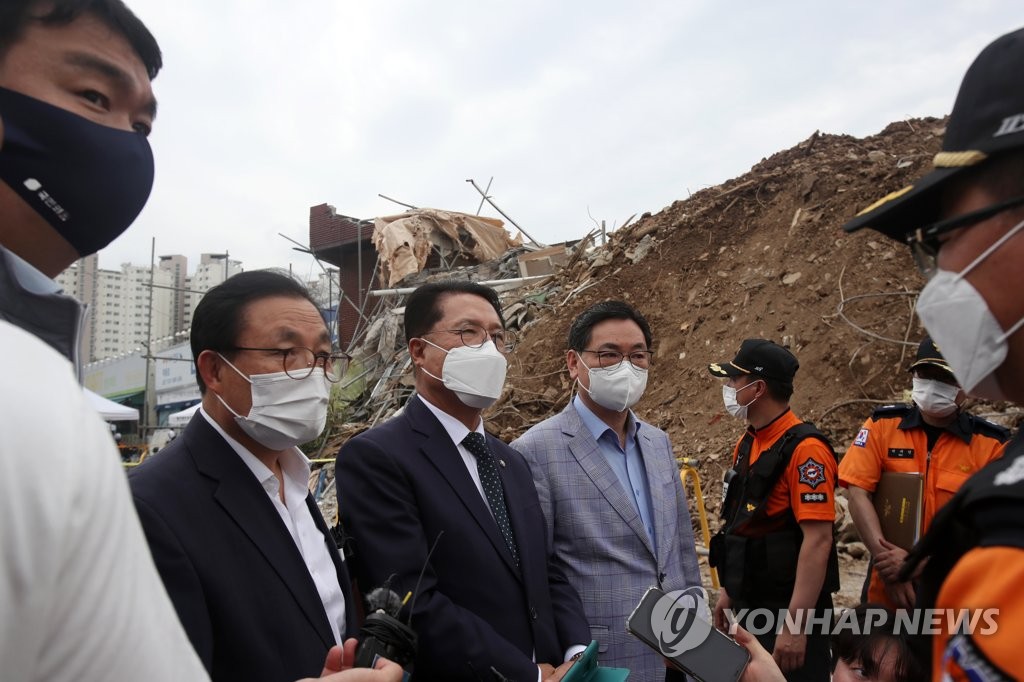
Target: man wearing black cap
{"x":930,"y":437}
{"x":964,"y":222}
{"x":774,"y":550}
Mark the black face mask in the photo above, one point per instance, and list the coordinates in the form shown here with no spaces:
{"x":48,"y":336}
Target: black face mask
{"x":87,"y":180}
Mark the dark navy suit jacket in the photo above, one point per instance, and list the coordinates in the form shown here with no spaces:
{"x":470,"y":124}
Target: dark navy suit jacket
{"x":400,"y":485}
{"x":232,"y":569}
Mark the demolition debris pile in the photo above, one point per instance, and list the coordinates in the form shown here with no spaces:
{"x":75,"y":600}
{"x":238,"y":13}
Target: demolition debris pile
{"x":762,"y":255}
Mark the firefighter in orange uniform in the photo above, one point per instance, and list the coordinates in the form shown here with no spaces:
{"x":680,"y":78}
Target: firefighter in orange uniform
{"x":775,"y":550}
{"x":964,"y":221}
{"x":930,"y":437}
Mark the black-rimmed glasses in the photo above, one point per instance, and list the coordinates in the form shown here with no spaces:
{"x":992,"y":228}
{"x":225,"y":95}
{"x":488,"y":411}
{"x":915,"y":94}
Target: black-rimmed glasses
{"x":299,"y":362}
{"x":925,"y":242}
{"x":610,"y":359}
{"x":474,"y":336}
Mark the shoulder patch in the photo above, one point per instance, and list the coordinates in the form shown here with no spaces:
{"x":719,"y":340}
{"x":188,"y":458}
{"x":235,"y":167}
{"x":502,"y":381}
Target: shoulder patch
{"x":812,"y":473}
{"x":813,"y":498}
{"x":862,"y":438}
{"x":986,"y":428}
{"x":898,"y":410}
{"x":963,"y":660}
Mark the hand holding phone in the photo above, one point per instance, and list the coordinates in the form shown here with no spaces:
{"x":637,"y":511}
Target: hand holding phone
{"x":677,"y":625}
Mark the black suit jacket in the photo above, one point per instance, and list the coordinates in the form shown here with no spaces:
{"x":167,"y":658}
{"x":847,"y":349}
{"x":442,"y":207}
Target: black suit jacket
{"x":400,"y":485}
{"x":232,"y":569}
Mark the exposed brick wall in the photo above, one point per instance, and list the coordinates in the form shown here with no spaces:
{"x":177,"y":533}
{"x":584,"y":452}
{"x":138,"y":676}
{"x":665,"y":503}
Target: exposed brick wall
{"x":334,"y":238}
{"x":329,"y":229}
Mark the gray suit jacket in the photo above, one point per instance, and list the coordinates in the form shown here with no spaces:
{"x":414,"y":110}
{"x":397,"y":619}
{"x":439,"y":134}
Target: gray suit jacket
{"x":598,"y":538}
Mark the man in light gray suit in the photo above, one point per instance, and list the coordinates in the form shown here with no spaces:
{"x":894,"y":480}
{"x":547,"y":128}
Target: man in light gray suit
{"x":609,"y":486}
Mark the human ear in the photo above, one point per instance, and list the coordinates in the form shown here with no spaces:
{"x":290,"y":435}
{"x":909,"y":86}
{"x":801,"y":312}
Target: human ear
{"x":571,"y":362}
{"x":209,"y":367}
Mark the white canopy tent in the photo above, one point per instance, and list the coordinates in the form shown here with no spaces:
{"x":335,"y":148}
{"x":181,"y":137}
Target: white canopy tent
{"x":109,"y":410}
{"x":179,"y":419}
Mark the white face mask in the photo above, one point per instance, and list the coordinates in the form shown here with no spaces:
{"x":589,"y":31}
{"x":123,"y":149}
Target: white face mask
{"x":475,"y":375}
{"x":935,"y":398}
{"x":962,"y":326}
{"x":285,"y":412}
{"x":616,"y":389}
{"x":732,"y":404}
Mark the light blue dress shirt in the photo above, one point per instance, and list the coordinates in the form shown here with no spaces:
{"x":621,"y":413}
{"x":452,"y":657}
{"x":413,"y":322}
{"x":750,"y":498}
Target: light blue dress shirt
{"x":627,"y":464}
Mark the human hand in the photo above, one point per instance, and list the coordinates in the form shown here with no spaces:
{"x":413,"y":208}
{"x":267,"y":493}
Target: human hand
{"x":762,"y":667}
{"x":901,"y":594}
{"x":721,"y":604}
{"x":558,"y":673}
{"x":790,"y":649}
{"x":338,"y":667}
{"x":340,"y":657}
{"x":889,"y":561}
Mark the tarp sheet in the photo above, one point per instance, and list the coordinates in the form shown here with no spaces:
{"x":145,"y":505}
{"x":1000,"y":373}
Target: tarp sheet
{"x":182,"y":418}
{"x":109,"y":410}
{"x":404,"y":241}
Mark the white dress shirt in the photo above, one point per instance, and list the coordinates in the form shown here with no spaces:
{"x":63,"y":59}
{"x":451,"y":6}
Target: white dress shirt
{"x":457,"y":431}
{"x":295,"y":515}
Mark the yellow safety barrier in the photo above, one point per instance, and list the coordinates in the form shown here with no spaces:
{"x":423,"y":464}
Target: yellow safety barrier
{"x":689,"y":470}
{"x":143,"y":453}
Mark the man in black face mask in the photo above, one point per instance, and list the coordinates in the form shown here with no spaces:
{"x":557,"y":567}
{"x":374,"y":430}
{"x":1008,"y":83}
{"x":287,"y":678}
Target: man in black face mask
{"x":80,"y":598}
{"x":76,"y":578}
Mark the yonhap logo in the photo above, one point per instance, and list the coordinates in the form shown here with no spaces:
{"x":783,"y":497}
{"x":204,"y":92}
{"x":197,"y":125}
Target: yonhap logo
{"x":681,"y":620}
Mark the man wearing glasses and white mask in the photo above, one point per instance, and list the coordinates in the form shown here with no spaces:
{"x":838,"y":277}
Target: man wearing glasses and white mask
{"x":965,"y":223}
{"x":609,"y":486}
{"x":429,"y":490}
{"x":243,"y":551}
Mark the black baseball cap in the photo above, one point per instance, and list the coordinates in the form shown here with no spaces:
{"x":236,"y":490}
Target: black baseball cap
{"x":987,"y":119}
{"x":928,"y":355}
{"x":762,"y":357}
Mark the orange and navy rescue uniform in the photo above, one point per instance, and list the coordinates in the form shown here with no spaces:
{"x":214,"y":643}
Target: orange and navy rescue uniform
{"x":985,"y":578}
{"x":893,"y":439}
{"x":808,"y":484}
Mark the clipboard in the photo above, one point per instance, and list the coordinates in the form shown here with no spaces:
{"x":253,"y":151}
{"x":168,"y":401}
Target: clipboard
{"x":898,"y":498}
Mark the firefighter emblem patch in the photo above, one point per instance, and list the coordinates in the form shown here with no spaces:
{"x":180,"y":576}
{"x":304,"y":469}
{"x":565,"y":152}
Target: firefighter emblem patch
{"x":812,"y":473}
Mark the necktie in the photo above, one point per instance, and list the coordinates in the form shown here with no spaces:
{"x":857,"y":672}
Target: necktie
{"x":493,"y":490}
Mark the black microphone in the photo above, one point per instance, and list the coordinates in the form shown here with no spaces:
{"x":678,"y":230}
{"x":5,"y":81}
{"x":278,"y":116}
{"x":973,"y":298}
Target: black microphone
{"x":383,"y":634}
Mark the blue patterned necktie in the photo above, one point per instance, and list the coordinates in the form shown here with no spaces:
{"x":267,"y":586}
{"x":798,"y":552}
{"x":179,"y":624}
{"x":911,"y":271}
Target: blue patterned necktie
{"x":491,"y":483}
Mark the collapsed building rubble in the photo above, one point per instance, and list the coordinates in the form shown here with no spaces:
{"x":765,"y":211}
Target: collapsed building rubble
{"x":762,"y":255}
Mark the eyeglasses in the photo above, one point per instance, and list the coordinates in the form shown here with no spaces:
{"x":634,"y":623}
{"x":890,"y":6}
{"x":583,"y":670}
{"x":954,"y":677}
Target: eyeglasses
{"x":925,"y":243}
{"x":299,"y":362}
{"x":610,"y":359}
{"x":474,"y":336}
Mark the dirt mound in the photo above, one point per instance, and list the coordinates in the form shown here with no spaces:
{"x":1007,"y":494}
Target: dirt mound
{"x":762,"y":255}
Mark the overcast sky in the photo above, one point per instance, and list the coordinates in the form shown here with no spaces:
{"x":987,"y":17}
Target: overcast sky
{"x":577,"y":109}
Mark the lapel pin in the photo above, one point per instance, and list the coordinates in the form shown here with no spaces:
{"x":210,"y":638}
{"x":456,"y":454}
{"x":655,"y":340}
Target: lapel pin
{"x":501,"y":462}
